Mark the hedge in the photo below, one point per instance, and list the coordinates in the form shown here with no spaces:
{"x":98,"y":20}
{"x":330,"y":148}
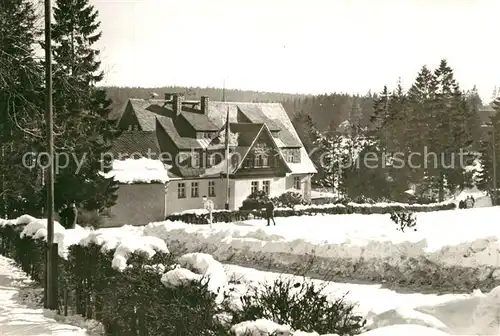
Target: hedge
{"x":129,"y":303}
{"x":134,"y":302}
{"x":225,"y":216}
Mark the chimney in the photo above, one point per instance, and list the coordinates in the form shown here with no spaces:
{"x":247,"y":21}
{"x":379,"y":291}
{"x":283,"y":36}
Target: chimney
{"x":204,"y":104}
{"x":177,"y":99}
{"x":168,"y":96}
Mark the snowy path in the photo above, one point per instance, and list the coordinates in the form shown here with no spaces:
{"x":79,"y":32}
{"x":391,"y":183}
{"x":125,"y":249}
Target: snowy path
{"x":17,"y":319}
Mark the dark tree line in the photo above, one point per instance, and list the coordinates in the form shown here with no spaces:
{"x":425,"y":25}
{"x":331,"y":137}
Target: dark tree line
{"x":81,"y":127}
{"x":420,"y":139}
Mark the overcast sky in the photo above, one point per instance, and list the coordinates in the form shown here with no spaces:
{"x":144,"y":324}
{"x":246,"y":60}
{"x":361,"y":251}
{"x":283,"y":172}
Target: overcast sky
{"x":307,"y":46}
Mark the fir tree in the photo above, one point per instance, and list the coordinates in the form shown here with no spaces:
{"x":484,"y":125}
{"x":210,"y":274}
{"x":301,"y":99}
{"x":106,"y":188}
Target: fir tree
{"x":21,"y":116}
{"x":306,"y":129}
{"x":485,"y":175}
{"x":81,"y":109}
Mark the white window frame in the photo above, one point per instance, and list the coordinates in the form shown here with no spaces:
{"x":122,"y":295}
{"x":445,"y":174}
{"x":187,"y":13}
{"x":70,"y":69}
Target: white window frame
{"x":297,"y":182}
{"x":195,"y":186}
{"x":254,"y":186}
{"x":266,"y":187}
{"x":211,"y":188}
{"x":181,"y":190}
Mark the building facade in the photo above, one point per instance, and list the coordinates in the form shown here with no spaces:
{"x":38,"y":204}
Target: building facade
{"x":265,"y":152}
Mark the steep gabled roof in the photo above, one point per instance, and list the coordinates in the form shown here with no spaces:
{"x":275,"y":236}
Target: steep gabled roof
{"x":272,"y":115}
{"x":255,"y":115}
{"x":181,"y":142}
{"x":278,"y":152}
{"x":199,"y":121}
{"x":134,"y":143}
{"x":247,"y":132}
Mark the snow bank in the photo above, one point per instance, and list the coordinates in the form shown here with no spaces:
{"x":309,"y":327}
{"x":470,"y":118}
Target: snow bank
{"x":404,"y":329}
{"x":142,"y":244}
{"x":406,"y":315}
{"x":260,"y":327}
{"x":263,"y":327}
{"x":451,"y":249}
{"x":198,"y":267}
{"x":126,"y":240}
{"x":141,"y":170}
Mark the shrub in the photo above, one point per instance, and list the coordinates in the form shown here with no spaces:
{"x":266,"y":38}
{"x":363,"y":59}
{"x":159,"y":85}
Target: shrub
{"x":302,"y":306}
{"x":404,"y":219}
{"x":255,"y":200}
{"x":363,"y":200}
{"x":289,"y":200}
{"x":133,"y":302}
{"x":90,"y":218}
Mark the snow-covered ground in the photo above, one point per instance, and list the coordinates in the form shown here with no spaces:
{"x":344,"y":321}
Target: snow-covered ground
{"x":22,"y":315}
{"x":451,"y":250}
{"x":368,"y":241}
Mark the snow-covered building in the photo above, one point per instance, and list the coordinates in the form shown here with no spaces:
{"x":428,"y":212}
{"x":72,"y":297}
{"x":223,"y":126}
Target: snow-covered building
{"x":265,"y":150}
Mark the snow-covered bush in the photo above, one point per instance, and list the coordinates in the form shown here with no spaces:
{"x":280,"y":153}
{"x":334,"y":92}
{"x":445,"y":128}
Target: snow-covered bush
{"x":118,"y":283}
{"x":289,"y":200}
{"x":302,"y":306}
{"x":254,"y":201}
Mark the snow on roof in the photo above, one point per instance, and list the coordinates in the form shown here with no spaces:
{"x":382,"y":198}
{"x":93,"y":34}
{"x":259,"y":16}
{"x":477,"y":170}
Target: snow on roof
{"x":141,"y":170}
{"x":305,"y":166}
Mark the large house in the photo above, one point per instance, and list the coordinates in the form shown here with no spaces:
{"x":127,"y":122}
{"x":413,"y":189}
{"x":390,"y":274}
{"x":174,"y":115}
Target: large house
{"x":189,"y":136}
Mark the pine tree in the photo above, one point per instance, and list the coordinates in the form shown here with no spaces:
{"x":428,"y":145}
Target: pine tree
{"x":306,"y":129}
{"x":421,"y":124}
{"x":21,"y":99}
{"x":81,"y":109}
{"x":330,"y":162}
{"x":485,"y":175}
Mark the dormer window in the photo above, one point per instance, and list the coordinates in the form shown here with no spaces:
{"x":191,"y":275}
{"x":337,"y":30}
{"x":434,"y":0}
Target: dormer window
{"x":195,"y":160}
{"x":211,"y":160}
{"x":258,"y":160}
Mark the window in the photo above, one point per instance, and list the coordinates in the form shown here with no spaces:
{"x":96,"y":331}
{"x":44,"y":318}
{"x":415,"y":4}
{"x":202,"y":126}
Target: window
{"x":255,"y":186}
{"x":195,"y":160}
{"x":181,"y":190}
{"x":211,"y":188}
{"x":211,"y":160}
{"x":194,"y":189}
{"x":258,"y":160}
{"x":248,"y":162}
{"x":297,"y":182}
{"x":266,"y":186}
{"x":296,"y":155}
{"x":265,"y":161}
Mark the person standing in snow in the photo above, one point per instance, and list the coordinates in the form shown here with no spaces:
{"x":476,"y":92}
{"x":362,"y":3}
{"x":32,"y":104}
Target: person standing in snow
{"x":469,"y":202}
{"x":270,"y":213}
{"x":63,"y":215}
{"x":461,"y":204}
{"x":72,"y":215}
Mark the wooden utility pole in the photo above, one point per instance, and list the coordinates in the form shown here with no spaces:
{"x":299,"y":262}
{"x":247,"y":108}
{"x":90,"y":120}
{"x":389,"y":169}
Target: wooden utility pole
{"x":51,"y":300}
